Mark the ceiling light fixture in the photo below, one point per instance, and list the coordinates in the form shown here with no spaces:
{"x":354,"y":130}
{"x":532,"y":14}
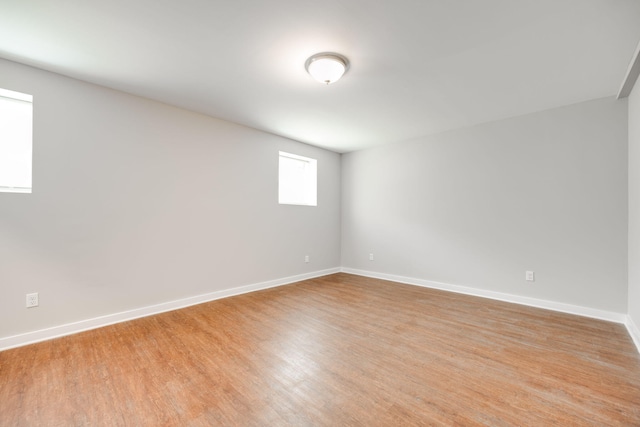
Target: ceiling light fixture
{"x":327,"y":67}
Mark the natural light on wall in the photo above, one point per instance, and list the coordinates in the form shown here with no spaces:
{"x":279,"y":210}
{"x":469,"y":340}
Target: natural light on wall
{"x":16,"y":116}
{"x":297,"y":183}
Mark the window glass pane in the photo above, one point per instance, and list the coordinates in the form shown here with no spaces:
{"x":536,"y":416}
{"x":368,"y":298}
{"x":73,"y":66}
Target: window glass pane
{"x":15,"y":141}
{"x":297,"y":180}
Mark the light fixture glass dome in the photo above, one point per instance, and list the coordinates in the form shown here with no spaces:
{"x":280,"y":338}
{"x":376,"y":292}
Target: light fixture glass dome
{"x":327,"y":67}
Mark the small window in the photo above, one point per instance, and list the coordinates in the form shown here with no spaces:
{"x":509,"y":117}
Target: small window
{"x":16,"y":116}
{"x":297,"y":184}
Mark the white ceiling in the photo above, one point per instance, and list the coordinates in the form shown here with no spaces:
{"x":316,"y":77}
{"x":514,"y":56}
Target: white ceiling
{"x":417,"y":66}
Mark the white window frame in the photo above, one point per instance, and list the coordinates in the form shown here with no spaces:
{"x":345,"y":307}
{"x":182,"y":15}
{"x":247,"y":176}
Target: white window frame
{"x":304,"y":190}
{"x":16,"y":142}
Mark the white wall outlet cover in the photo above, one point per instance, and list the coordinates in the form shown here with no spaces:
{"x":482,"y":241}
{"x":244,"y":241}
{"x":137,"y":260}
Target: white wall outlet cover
{"x":32,"y":300}
{"x":529,"y":276}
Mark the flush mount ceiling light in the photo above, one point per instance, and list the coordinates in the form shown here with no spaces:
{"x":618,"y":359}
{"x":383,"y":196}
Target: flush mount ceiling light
{"x":327,"y":67}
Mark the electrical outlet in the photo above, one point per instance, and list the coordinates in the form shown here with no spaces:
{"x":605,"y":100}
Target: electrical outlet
{"x":529,"y":276}
{"x":370,"y":257}
{"x":306,"y":258}
{"x":32,"y":300}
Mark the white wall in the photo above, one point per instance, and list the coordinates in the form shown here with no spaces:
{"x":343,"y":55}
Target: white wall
{"x":634,"y":206}
{"x":136,"y":203}
{"x":477,"y":207}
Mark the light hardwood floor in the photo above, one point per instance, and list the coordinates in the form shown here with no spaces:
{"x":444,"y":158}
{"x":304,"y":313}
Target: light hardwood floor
{"x":340,"y":350}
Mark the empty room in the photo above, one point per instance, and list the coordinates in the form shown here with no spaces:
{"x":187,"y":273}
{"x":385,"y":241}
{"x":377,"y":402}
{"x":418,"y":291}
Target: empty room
{"x":348,"y":213}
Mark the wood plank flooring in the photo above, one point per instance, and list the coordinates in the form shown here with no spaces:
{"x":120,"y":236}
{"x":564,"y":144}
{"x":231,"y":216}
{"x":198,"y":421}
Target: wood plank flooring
{"x":340,"y":350}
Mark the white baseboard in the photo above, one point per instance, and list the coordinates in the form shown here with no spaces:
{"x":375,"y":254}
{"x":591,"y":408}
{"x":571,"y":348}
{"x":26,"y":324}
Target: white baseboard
{"x":634,"y":331}
{"x":98,"y":322}
{"x":533,"y":302}
{"x":110,"y":319}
